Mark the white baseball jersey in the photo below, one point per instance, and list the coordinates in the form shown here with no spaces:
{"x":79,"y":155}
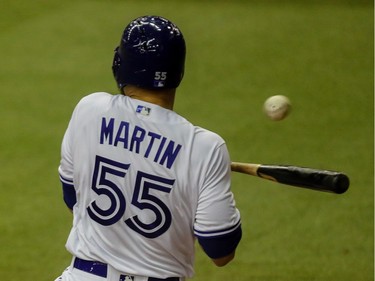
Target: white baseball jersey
{"x":147,"y":182}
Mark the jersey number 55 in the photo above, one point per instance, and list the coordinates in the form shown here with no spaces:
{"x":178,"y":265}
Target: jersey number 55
{"x":107,"y":183}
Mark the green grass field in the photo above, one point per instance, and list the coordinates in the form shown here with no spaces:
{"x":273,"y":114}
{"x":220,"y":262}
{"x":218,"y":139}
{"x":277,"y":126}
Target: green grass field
{"x":318,"y":53}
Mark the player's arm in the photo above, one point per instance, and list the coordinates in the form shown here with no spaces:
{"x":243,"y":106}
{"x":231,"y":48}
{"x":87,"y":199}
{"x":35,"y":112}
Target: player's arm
{"x":218,"y":223}
{"x":65,"y":169}
{"x":224,"y":260}
{"x":69,"y":192}
{"x":232,"y":241}
{"x":222,"y":248}
{"x":69,"y":197}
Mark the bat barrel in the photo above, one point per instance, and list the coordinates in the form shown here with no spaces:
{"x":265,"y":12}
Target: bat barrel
{"x":340,"y":184}
{"x":322,"y":180}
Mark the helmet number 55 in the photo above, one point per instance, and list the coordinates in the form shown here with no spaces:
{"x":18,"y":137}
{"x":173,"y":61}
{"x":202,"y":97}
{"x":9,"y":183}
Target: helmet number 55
{"x":160,"y":75}
{"x":110,"y":205}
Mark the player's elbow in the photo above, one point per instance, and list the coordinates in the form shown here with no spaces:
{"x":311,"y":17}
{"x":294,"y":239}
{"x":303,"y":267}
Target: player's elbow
{"x":220,"y":262}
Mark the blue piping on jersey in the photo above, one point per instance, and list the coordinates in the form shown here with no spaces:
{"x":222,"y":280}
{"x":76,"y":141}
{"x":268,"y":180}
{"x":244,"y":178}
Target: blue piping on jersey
{"x":217,"y":233}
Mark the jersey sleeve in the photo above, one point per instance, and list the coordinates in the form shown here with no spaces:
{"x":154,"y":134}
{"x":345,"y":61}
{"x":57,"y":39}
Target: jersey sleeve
{"x":65,"y":169}
{"x":217,"y":223}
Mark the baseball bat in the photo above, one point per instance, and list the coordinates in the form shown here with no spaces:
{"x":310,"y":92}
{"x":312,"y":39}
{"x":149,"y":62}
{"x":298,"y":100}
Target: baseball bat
{"x":315,"y":179}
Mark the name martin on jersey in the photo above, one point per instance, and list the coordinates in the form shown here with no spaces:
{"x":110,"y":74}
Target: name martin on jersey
{"x":138,"y":140}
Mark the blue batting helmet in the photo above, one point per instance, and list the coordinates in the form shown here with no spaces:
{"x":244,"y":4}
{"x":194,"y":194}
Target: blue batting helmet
{"x":151,"y":54}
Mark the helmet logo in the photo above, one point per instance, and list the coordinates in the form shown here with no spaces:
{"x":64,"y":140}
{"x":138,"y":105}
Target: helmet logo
{"x":147,"y":46}
{"x":159,"y":79}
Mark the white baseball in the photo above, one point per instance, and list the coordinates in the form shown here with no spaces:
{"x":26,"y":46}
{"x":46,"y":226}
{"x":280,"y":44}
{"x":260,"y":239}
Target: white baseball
{"x":277,"y":107}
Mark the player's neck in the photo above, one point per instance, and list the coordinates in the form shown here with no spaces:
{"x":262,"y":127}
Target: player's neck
{"x":163,"y":98}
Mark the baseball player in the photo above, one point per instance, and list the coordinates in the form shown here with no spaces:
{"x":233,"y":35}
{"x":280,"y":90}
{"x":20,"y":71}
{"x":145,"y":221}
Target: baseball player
{"x":143,"y":183}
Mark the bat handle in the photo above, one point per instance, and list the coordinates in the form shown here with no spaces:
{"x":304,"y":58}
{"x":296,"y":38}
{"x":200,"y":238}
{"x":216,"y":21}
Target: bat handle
{"x":245,"y":168}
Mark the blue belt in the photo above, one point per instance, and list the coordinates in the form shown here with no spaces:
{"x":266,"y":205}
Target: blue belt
{"x":100,"y":269}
